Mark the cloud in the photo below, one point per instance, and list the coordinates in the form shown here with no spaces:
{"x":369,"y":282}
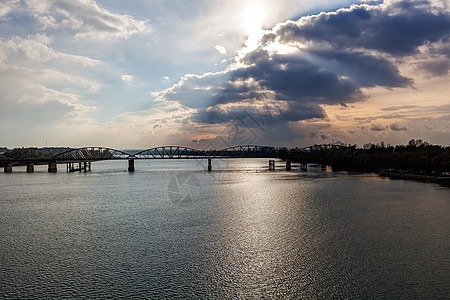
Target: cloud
{"x":36,"y":51}
{"x":41,"y":85}
{"x":396,"y":127}
{"x":361,"y":120}
{"x":365,"y":69}
{"x":86,"y":18}
{"x":6,"y":7}
{"x":295,"y":82}
{"x":127,"y":78}
{"x":325,"y":59}
{"x":398,"y":107}
{"x":394,"y":27}
{"x":221,"y":49}
{"x":436,"y":67}
{"x":377,"y":127}
{"x":33,"y":58}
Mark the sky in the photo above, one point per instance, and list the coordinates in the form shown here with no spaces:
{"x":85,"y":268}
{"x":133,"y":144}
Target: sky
{"x":212,"y":73}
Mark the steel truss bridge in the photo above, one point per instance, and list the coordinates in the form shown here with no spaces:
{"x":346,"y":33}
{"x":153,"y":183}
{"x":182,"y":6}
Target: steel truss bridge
{"x":86,"y":155}
{"x":180,"y":152}
{"x":165,"y":152}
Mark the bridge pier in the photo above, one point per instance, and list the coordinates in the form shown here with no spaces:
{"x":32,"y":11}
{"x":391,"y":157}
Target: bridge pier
{"x":86,"y":166}
{"x":288,"y":164}
{"x":131,"y":165}
{"x":304,"y":166}
{"x":30,"y":167}
{"x":209,"y":165}
{"x":52,"y":166}
{"x":271,"y":165}
{"x":8,"y":168}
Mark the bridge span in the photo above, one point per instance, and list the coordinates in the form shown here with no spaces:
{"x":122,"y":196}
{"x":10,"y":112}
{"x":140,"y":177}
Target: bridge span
{"x":80,"y":159}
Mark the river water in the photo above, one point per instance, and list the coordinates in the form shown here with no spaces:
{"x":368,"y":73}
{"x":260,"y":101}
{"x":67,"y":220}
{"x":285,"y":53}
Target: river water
{"x":172,"y":230}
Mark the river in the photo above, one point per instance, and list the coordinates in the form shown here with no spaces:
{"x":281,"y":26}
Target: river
{"x":171,"y":230}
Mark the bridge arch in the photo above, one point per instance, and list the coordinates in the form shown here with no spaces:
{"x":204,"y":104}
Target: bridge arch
{"x":90,"y":154}
{"x":168,"y":152}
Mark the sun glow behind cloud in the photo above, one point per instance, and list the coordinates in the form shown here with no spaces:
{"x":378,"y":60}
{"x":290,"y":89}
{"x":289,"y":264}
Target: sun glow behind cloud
{"x":253,"y":16}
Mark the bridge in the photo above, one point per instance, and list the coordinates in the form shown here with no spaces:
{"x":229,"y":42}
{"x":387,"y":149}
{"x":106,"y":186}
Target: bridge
{"x":80,"y":159}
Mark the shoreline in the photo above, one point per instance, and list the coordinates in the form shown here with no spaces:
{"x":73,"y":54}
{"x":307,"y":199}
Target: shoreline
{"x":413,"y":176}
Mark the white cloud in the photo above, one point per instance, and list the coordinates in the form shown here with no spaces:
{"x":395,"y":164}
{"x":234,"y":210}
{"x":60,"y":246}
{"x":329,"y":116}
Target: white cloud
{"x":36,"y":50}
{"x":6,"y":6}
{"x":127,"y":78}
{"x":35,"y":77}
{"x":86,"y":18}
{"x":39,"y":6}
{"x":221,"y":49}
{"x":46,"y":21}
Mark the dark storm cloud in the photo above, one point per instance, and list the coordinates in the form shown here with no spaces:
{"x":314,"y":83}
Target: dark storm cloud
{"x":335,"y":61}
{"x":253,"y":117}
{"x":366,"y":70}
{"x":299,"y":78}
{"x":303,"y":81}
{"x":284,"y":77}
{"x":215,"y":115}
{"x":397,"y":27}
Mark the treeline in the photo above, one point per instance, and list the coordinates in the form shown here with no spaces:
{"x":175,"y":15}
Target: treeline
{"x":33,"y":153}
{"x":417,"y":156}
{"x":25,"y":153}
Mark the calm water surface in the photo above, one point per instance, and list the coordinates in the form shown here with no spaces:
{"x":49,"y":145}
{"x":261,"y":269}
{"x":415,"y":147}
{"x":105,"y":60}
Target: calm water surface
{"x":172,"y":230}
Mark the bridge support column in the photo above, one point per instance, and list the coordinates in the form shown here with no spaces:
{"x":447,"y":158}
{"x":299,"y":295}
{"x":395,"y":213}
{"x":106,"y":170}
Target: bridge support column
{"x":131,"y":165}
{"x":8,"y":168}
{"x":52,"y":166}
{"x":271,"y":164}
{"x":85,"y":166}
{"x":288,"y":164}
{"x":304,"y":166}
{"x":89,"y":166}
{"x":30,"y":167}
{"x":209,"y":165}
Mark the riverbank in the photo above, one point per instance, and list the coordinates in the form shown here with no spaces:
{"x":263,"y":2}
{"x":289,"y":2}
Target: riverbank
{"x":396,"y":174}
